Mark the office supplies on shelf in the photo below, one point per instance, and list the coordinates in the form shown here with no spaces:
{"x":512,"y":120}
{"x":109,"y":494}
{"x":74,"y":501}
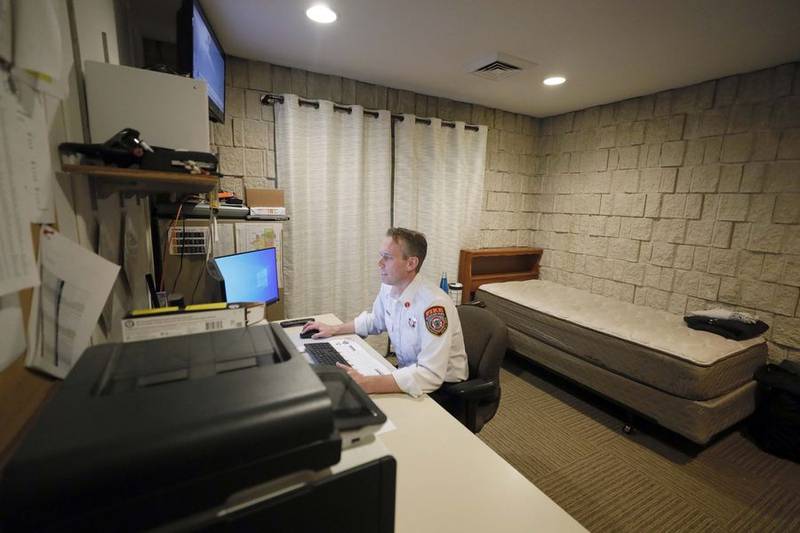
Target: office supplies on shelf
{"x":123,"y":149}
{"x":276,"y":218}
{"x":267,"y":212}
{"x":126,"y":148}
{"x":203,"y":210}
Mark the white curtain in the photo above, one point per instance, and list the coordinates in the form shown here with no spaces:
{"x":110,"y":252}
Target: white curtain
{"x":438,"y":188}
{"x":336,"y":170}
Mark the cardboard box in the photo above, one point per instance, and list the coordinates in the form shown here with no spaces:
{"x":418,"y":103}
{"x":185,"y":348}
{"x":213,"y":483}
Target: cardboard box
{"x":264,"y":197}
{"x":172,"y":322}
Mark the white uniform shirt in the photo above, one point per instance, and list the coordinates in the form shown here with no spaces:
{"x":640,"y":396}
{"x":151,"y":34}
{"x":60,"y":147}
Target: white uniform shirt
{"x":429,"y":350}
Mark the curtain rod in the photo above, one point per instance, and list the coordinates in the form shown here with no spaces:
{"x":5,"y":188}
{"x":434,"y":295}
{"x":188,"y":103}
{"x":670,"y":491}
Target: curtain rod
{"x":269,"y":99}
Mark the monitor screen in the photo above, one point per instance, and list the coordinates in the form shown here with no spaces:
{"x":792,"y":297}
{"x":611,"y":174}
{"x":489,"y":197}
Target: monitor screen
{"x":250,"y":276}
{"x":208,"y":61}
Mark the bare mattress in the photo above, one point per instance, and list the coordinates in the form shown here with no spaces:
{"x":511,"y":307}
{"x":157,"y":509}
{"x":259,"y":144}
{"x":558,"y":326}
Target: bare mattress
{"x":649,"y":346}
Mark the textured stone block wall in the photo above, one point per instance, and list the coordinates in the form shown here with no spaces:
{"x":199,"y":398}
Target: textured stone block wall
{"x":682,"y":200}
{"x":245,"y":143}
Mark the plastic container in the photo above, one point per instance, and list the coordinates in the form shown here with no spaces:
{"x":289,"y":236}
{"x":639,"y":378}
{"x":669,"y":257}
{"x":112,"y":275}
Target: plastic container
{"x":456,"y":289}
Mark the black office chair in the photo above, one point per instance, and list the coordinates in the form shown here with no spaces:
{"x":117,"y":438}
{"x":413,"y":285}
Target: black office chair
{"x":475,"y":401}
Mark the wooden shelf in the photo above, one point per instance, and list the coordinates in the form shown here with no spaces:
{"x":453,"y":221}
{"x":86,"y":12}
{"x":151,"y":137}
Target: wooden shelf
{"x":135,"y":179}
{"x":492,"y":265}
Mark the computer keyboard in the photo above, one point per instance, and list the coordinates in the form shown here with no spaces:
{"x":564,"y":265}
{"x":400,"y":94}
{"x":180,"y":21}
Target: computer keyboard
{"x":347,"y":352}
{"x":323,"y":353}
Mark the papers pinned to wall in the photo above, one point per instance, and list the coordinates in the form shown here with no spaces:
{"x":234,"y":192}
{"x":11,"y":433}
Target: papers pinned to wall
{"x":17,"y":264}
{"x":65,"y":308}
{"x":41,"y":50}
{"x":11,"y":330}
{"x":24,"y":137}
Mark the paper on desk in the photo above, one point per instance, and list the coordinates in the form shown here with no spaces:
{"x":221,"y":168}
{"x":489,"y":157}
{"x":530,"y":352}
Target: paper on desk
{"x":17,"y":264}
{"x":12,"y":336}
{"x":386,"y":427}
{"x":29,"y":157}
{"x":75,"y":286}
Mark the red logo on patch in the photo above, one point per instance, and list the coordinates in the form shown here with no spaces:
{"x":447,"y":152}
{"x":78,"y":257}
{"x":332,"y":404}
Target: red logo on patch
{"x":436,"y":319}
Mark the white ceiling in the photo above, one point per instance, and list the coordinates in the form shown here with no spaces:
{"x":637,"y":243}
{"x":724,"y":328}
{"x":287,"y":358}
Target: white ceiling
{"x":608,"y":50}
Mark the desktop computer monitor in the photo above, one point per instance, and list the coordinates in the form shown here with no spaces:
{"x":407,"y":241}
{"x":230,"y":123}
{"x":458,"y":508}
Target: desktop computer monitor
{"x":249,"y":276}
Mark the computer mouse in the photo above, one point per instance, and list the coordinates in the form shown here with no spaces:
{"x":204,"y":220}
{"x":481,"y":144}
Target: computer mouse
{"x":308,"y":333}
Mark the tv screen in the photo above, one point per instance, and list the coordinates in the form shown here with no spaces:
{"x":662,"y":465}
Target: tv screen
{"x":202,"y":56}
{"x":250,"y":276}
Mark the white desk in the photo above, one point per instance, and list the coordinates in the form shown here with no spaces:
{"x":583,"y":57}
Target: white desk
{"x":448,"y":479}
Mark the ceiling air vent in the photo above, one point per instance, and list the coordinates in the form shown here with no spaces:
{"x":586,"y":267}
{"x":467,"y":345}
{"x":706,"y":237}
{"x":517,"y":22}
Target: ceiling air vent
{"x":499,"y":66}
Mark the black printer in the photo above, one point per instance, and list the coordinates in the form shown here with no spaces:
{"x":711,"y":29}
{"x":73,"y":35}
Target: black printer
{"x":228,"y":430}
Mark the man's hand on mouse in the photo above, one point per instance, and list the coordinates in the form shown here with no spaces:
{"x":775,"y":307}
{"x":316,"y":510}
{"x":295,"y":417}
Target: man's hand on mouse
{"x":325,"y":330}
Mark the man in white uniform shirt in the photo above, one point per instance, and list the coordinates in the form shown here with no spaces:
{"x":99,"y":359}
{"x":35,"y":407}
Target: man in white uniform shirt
{"x":420,"y":318}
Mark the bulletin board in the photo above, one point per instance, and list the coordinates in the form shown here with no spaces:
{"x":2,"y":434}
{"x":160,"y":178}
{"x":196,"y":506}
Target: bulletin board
{"x":29,"y":147}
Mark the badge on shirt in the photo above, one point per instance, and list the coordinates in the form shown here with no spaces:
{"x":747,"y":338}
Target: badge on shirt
{"x":436,"y":319}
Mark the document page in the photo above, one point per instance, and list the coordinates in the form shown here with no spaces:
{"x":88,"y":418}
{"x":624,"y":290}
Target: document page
{"x":74,"y":289}
{"x":358,"y":357}
{"x":31,"y":167}
{"x":17,"y":263}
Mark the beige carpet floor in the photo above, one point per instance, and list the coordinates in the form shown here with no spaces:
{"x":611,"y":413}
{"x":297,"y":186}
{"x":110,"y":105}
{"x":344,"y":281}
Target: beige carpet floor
{"x":570,"y":444}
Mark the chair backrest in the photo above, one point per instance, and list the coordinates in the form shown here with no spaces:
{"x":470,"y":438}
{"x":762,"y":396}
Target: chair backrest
{"x":485,"y":340}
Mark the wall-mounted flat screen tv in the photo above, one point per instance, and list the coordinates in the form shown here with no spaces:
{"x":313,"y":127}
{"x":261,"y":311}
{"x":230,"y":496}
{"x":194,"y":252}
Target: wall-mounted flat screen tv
{"x":201,"y":56}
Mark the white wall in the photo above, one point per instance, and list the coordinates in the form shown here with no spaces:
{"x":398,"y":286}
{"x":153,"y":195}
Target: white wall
{"x":93,"y":18}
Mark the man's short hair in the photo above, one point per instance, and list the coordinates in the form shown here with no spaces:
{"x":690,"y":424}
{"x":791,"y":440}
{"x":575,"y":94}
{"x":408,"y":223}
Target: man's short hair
{"x":413,"y":243}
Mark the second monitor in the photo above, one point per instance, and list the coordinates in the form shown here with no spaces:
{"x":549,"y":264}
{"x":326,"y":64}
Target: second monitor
{"x":249,"y":276}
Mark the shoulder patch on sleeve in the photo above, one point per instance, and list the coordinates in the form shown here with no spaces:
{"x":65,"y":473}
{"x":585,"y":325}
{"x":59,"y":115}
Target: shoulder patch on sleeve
{"x":436,"y":319}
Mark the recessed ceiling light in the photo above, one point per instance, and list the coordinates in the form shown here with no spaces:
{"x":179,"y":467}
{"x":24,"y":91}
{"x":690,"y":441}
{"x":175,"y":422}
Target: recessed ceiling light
{"x":554,"y":80}
{"x":321,"y":13}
